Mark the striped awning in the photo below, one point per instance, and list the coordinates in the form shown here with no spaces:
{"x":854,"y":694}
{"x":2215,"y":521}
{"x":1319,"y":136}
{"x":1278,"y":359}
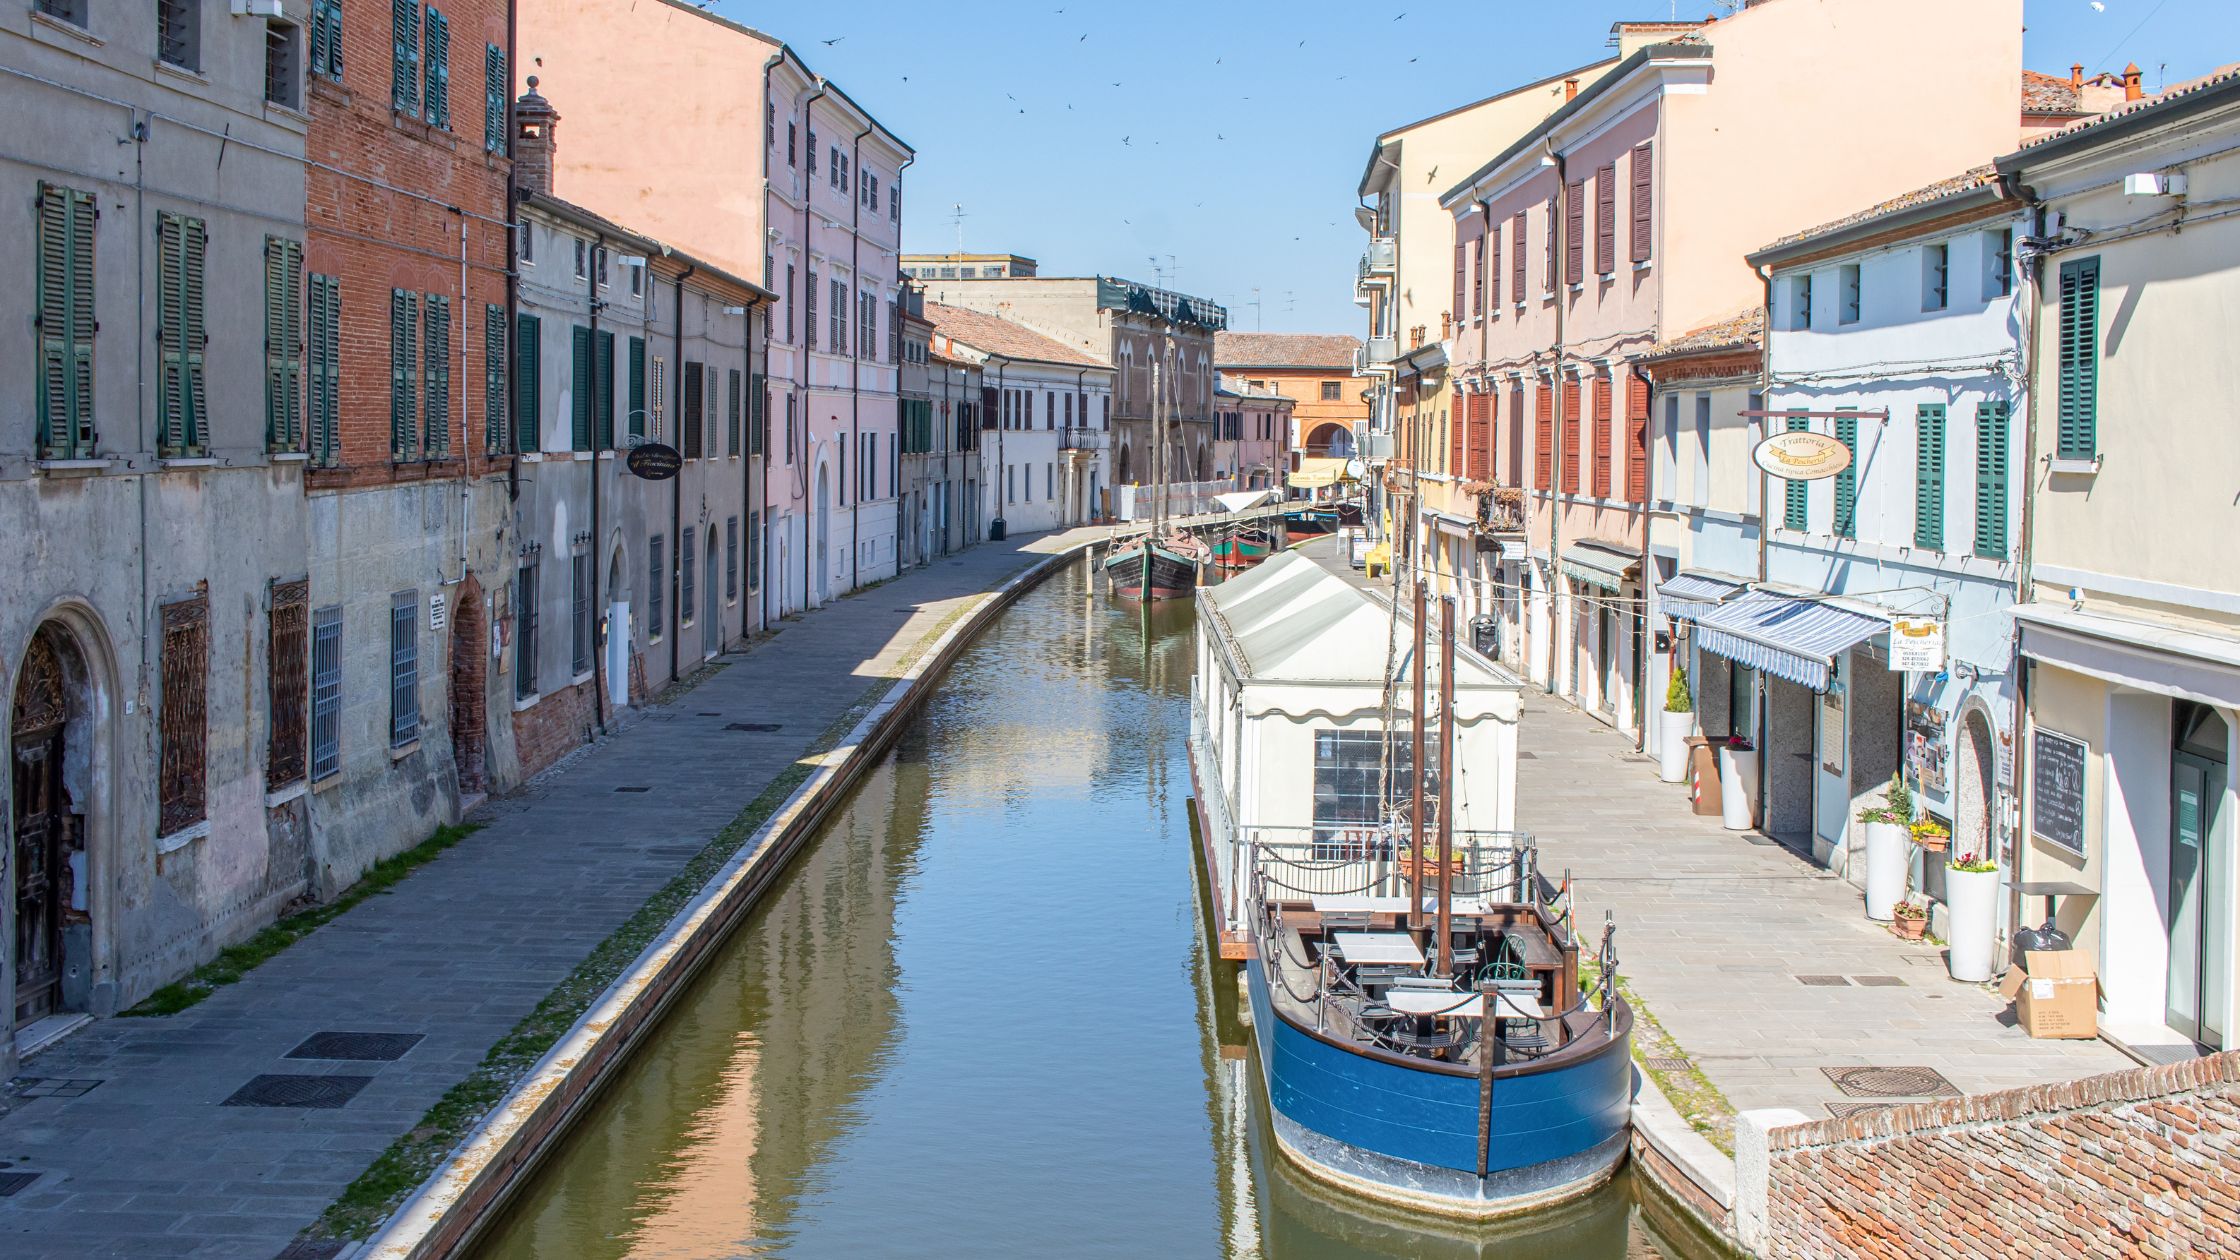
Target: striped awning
{"x":1796,"y":639}
{"x":1599,"y":565}
{"x":1693,"y":593}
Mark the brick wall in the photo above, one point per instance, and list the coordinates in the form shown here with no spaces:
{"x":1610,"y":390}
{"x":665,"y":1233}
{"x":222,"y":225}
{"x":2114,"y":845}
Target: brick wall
{"x":2138,"y":1163}
{"x":558,"y":724}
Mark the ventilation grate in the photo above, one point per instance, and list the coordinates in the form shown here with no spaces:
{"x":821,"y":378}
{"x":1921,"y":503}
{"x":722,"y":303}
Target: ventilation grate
{"x":756,"y":727}
{"x":357,"y":1046}
{"x":1878,"y":982}
{"x":1891,"y":1082}
{"x":10,"y":1182}
{"x":282,"y":1090}
{"x":1824,"y":982}
{"x":1667,"y":1065}
{"x":46,"y":1087}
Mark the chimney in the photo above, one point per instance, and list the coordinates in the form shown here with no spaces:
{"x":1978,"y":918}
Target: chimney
{"x":1571,"y":88}
{"x":2076,"y":74}
{"x":2131,"y":90}
{"x":534,"y":120}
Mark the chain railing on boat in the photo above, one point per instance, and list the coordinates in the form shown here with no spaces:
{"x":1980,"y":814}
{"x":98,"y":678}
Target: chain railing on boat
{"x":1371,"y":861}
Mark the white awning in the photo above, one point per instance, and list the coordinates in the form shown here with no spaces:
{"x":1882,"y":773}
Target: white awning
{"x":2151,"y":656}
{"x":1788,"y":637}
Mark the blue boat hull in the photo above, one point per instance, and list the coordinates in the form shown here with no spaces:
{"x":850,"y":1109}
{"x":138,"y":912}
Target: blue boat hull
{"x":1411,"y":1136}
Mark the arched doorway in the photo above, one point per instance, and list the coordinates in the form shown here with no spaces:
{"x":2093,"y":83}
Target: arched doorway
{"x":616,"y":647}
{"x":52,"y":882}
{"x":711,"y":637}
{"x":1123,"y":479}
{"x":1972,"y":791}
{"x":469,"y":660}
{"x":823,"y":580}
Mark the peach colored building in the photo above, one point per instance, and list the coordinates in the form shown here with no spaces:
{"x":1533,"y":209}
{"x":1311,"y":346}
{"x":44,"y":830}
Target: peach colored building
{"x":1621,"y":221}
{"x":1318,"y":372}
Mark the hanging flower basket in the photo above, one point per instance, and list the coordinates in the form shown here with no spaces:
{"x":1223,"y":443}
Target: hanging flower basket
{"x":1931,"y":835}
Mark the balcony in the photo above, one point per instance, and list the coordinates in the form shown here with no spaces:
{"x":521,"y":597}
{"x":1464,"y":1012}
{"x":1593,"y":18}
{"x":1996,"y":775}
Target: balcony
{"x":1377,"y":352}
{"x":1073,"y":439}
{"x":1500,"y":513}
{"x":1378,"y":259}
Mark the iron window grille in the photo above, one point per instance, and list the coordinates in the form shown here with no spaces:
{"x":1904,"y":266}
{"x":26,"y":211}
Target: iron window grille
{"x":579,"y":621}
{"x":525,"y":629}
{"x":404,"y":669}
{"x":685,"y":565}
{"x":326,"y":692}
{"x":179,"y":33}
{"x":184,"y":728}
{"x":288,"y":657}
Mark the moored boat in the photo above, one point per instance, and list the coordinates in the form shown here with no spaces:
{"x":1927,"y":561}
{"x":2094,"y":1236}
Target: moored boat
{"x":1307,"y":524}
{"x":1243,"y":547}
{"x":1143,"y":569}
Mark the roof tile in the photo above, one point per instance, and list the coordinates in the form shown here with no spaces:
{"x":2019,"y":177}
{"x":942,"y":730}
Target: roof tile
{"x":1273,"y":350}
{"x":996,"y":335}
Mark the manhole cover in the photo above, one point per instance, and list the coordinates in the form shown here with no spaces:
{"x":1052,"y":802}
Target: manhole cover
{"x":1879,"y":982}
{"x":14,"y":1181}
{"x":1667,"y":1065}
{"x":281,"y":1090}
{"x":311,"y":1249}
{"x":1824,"y":982}
{"x":1891,"y":1082}
{"x":760,"y":727}
{"x":1854,"y":1108}
{"x":639,"y":788}
{"x":43,"y":1087}
{"x":363,"y":1047}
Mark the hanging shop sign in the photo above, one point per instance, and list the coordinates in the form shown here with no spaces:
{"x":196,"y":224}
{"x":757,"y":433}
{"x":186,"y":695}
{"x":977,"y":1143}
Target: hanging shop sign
{"x":1917,"y":645}
{"x":1802,"y":456}
{"x":654,"y":461}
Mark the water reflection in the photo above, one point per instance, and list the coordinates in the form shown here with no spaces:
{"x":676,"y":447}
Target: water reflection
{"x":977,"y":1016}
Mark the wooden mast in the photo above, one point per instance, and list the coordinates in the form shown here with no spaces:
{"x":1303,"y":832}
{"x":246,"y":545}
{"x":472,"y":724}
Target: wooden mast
{"x":1415,"y":766}
{"x":1446,"y":785}
{"x":1158,"y":478}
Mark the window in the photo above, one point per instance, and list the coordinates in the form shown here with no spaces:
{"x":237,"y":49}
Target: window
{"x":1606,"y":219}
{"x":1637,"y":439}
{"x":657,"y":589}
{"x":436,"y":411}
{"x":181,"y":244}
{"x":583,"y":260}
{"x":1351,"y":786}
{"x":839,"y":317}
{"x":528,"y":384}
{"x":404,"y":63}
{"x":637,"y":280}
{"x":1330,"y":391}
{"x":326,"y":39}
{"x":495,"y":85}
{"x":287,"y":656}
{"x":1543,"y":438}
{"x":867,"y":325}
{"x":183,"y":726}
{"x":404,"y":668}
{"x":688,"y":423}
{"x":1574,"y":232}
{"x":685,"y":564}
{"x":325,"y":352}
{"x":579,"y":614}
{"x":1928,"y":476}
{"x":894,"y":201}
{"x":1572,"y":479}
{"x":1516,"y":258}
{"x":1847,"y":294}
{"x":1800,"y":303}
{"x":525,"y":629}
{"x":812,"y":167}
{"x":71,"y":11}
{"x":493,"y":379}
{"x":1641,"y":168}
{"x":1796,"y":501}
{"x":604,"y":264}
{"x":404,"y":375}
{"x":283,"y":64}
{"x":657,"y":401}
{"x":731,"y":560}
{"x":602,"y":390}
{"x":809,"y":308}
{"x":1998,"y":264}
{"x":731,"y":386}
{"x":528,"y":239}
{"x":326,"y":692}
{"x":1847,"y":481}
{"x":1991,"y":480}
{"x":283,"y":344}
{"x":789,"y":301}
{"x":179,"y":33}
{"x":2077,"y":398}
{"x":436,"y":75}
{"x":635,"y":421}
{"x":65,"y":323}
{"x":1602,"y":452}
{"x":793,"y":155}
{"x":1699,"y":458}
{"x":790,"y":403}
{"x":832,"y":168}
{"x":1936,"y":269}
{"x":579,"y":388}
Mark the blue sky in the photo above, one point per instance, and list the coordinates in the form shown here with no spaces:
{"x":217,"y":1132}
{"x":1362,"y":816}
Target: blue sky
{"x":1224,"y":138}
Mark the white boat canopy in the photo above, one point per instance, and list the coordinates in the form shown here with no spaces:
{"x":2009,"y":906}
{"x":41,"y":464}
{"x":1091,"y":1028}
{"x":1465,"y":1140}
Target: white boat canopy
{"x":1244,"y":500}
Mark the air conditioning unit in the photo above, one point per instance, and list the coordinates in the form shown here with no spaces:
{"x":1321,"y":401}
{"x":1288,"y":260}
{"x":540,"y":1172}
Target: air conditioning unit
{"x":258,"y":8}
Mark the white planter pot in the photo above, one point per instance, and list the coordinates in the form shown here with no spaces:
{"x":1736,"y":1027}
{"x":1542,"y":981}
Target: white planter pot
{"x":1673,"y":730}
{"x":1971,"y":901}
{"x":1889,"y":853}
{"x":1738,"y":787}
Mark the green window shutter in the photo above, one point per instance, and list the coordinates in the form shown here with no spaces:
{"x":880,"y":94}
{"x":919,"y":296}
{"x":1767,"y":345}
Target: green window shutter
{"x":1928,"y":476}
{"x":1797,"y":496}
{"x":636,"y":420}
{"x":493,"y":379}
{"x":65,"y":316}
{"x":283,"y":344}
{"x":1847,"y":481}
{"x":404,"y":375}
{"x":757,"y":407}
{"x":579,"y":388}
{"x":732,"y":384}
{"x":326,"y":374}
{"x":436,"y":70}
{"x":181,"y":244}
{"x":494,"y":85}
{"x":603,"y":389}
{"x":437,"y":397}
{"x":528,"y":385}
{"x":404,"y":70}
{"x":1991,"y":480}
{"x":193,"y":250}
{"x":2078,"y":395}
{"x":326,"y":38}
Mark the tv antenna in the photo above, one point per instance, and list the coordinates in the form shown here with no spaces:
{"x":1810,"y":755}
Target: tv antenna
{"x":957,"y":216}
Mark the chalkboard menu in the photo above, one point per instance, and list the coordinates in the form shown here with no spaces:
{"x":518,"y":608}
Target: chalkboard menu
{"x":2057,"y":789}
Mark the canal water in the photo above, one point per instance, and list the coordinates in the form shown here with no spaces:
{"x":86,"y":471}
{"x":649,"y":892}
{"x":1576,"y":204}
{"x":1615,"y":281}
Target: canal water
{"x":977,"y":1016}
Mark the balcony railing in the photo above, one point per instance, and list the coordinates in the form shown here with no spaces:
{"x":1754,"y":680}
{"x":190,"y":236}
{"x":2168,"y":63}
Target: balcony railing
{"x":1379,"y":351}
{"x":1380,"y":255}
{"x":1079,"y":439}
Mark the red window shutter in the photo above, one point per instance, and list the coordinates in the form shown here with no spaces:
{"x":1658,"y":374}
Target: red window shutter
{"x":1575,"y":234}
{"x":1457,"y":435}
{"x":1544,"y":439}
{"x":1516,"y":265}
{"x":1641,"y":167}
{"x":1479,"y":453}
{"x":1489,"y":267}
{"x":1549,"y":274}
{"x":1478,"y":274}
{"x":1571,"y":478}
{"x":1637,"y":440}
{"x":1606,"y":219}
{"x":1516,"y":435}
{"x":1602,"y":435}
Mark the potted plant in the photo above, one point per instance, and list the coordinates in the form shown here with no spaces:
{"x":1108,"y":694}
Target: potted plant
{"x":1933,"y":836}
{"x":1674,"y":726}
{"x":1910,"y":917}
{"x":1971,"y":898}
{"x":1888,"y":860}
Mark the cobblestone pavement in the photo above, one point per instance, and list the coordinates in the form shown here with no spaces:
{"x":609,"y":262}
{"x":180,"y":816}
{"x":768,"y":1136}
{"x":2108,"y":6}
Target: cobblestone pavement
{"x":1719,"y":931}
{"x":149,"y":1161}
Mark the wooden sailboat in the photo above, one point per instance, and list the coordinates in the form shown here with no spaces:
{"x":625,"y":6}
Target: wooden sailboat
{"x":1160,"y":563}
{"x":1243,"y":547}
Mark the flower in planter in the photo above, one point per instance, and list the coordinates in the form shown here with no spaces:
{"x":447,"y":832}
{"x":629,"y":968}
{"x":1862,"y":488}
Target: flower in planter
{"x":1930,"y":833}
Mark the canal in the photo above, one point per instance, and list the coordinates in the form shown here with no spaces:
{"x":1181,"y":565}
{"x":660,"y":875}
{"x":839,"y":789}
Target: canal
{"x":977,"y":1016}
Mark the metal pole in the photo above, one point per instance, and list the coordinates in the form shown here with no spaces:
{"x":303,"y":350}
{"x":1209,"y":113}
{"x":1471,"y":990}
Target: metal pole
{"x":1446,"y":785}
{"x":1416,"y":767}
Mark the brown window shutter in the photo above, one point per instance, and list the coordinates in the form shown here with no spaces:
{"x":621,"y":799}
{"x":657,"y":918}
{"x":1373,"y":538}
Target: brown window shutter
{"x":1602,"y":435}
{"x":1637,"y":440}
{"x":1575,"y":234}
{"x":1461,"y":250}
{"x":1481,"y":445}
{"x":1516,"y":267}
{"x":1516,"y":436}
{"x":1489,"y":267}
{"x":1641,"y":167}
{"x":1549,"y":273}
{"x":1458,"y":435}
{"x":1478,"y":273}
{"x":1571,"y":478}
{"x":1544,"y":439}
{"x":1606,"y":219}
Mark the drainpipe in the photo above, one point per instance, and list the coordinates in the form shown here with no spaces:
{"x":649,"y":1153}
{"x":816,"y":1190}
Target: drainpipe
{"x":1080,"y":395}
{"x":1000,"y":489}
{"x":1555,"y":481}
{"x":855,"y":364}
{"x":592,"y":304}
{"x":676,"y":489}
{"x":746,"y":456}
{"x":1643,"y":652}
{"x":801,"y":349}
{"x":2027,"y":306}
{"x":1765,"y":532}
{"x":771,"y":280}
{"x":513,"y":267}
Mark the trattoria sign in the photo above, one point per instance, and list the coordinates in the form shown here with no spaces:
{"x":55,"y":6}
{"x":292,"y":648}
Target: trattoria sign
{"x":1802,"y":456}
{"x":654,"y":461}
{"x":1917,"y":644}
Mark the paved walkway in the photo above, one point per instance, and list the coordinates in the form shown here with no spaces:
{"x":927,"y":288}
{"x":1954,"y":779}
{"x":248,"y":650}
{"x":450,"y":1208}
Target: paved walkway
{"x":145,"y":1160}
{"x":1719,"y":933}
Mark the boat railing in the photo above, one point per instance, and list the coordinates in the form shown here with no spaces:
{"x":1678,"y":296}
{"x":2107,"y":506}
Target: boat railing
{"x":1300,"y":862}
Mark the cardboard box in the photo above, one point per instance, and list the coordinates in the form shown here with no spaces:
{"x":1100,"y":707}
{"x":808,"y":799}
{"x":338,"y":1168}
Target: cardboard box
{"x":2056,"y":993}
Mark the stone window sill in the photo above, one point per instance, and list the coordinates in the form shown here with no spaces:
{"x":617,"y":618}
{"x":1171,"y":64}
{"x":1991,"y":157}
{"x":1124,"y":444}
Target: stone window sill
{"x":1641,"y":264}
{"x":190,"y":461}
{"x":401,"y":751}
{"x":522,"y":704}
{"x":183,"y":837}
{"x":291,"y":457}
{"x":2071,"y":466}
{"x":531,"y":457}
{"x":328,"y":782}
{"x":184,"y":73}
{"x":274,"y":800}
{"x":580,"y":679}
{"x":78,"y":467}
{"x":43,"y":22}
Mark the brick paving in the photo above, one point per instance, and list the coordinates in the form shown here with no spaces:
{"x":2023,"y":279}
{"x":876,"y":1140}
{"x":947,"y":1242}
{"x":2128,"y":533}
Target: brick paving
{"x":148,"y":1162}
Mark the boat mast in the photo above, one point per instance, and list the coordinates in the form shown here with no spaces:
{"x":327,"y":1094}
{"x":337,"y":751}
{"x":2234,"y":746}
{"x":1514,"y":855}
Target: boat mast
{"x":1416,"y":766}
{"x":1446,"y":785}
{"x":1158,"y":472}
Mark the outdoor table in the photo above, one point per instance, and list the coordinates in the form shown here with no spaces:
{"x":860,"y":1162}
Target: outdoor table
{"x":1459,"y":1005}
{"x":1378,"y":948}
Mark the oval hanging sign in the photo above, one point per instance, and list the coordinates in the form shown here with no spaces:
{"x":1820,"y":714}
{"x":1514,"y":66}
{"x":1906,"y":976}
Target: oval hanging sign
{"x":1802,"y":456}
{"x":654,"y":461}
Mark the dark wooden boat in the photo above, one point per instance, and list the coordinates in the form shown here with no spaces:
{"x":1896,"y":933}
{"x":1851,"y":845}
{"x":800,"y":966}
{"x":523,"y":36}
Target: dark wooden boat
{"x":1307,"y":524}
{"x":1171,"y":572}
{"x":1243,"y":548}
